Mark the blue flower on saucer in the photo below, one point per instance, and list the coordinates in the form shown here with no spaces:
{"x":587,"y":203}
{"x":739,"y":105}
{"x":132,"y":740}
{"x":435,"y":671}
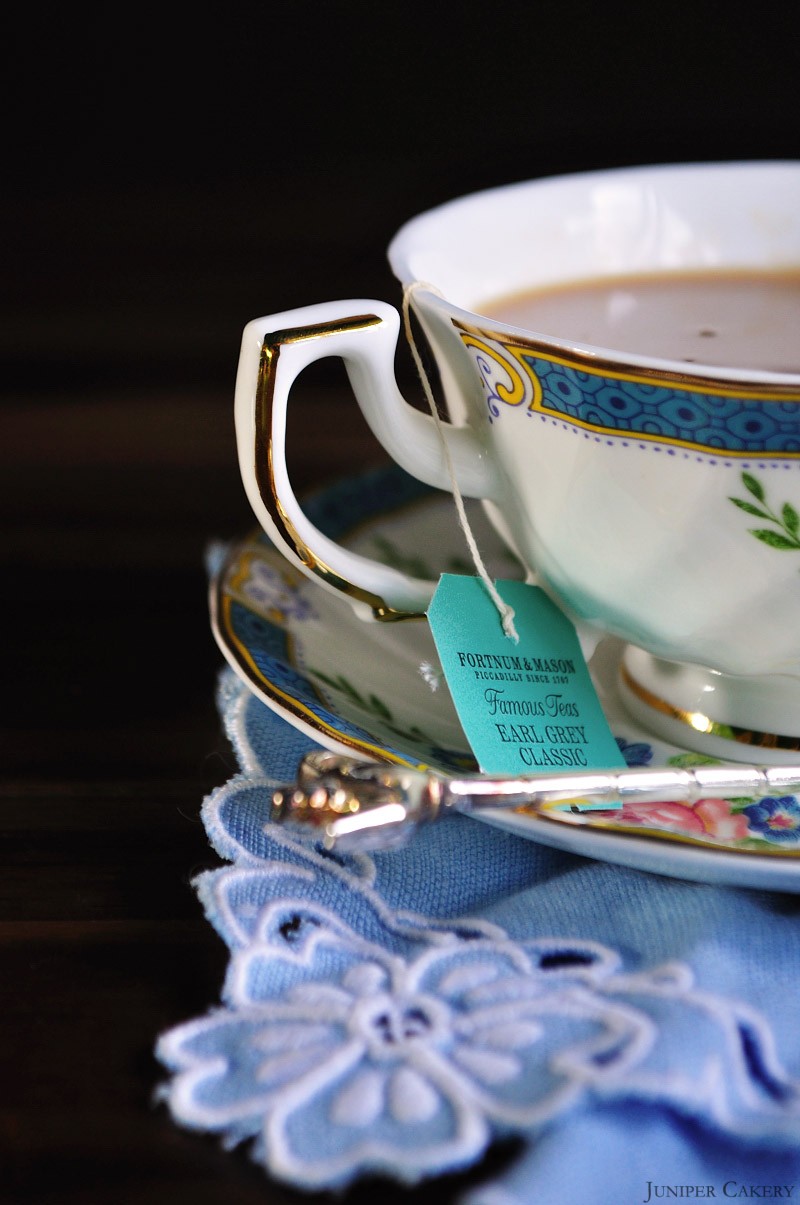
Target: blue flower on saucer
{"x":775,"y":818}
{"x":636,"y":753}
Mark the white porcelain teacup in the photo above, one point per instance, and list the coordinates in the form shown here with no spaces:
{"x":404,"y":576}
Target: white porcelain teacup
{"x":655,"y":495}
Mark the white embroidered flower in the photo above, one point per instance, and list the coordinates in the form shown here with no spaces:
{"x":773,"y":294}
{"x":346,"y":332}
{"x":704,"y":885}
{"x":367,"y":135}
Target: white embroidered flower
{"x":350,"y":1058}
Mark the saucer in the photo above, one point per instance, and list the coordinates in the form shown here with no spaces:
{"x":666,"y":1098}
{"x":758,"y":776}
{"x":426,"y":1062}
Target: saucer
{"x":374,"y":690}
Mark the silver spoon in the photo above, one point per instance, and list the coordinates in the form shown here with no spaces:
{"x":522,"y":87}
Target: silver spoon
{"x":351,"y":805}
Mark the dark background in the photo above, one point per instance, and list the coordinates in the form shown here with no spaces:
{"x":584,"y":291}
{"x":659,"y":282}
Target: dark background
{"x":165,"y":178}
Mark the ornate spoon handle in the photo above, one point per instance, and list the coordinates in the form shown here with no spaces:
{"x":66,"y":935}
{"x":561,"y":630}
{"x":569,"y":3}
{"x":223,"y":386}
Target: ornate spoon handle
{"x":353,"y":805}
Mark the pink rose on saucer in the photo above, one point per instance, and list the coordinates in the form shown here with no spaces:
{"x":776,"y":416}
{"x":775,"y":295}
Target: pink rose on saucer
{"x":708,"y":816}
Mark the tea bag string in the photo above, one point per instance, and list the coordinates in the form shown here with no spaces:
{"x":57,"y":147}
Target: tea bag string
{"x":505,"y":611}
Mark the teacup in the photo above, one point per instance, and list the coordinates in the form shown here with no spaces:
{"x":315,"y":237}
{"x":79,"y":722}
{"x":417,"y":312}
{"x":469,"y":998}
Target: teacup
{"x":654,"y":496}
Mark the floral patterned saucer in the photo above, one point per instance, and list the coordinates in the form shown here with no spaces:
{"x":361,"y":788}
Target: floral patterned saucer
{"x":373,"y":689}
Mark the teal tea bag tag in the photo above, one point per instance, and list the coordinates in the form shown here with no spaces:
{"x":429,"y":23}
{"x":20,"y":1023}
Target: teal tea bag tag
{"x":528,"y":707}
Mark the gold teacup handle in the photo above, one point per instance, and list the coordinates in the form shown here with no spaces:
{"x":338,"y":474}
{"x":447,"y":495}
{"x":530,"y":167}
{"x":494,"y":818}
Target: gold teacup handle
{"x":363,"y":333}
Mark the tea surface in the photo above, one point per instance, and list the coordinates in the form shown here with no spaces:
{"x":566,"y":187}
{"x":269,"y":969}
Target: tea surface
{"x":735,"y":319}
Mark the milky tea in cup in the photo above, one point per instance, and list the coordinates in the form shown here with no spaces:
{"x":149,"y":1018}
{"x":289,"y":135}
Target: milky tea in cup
{"x":748,"y":319}
{"x":617,"y":356}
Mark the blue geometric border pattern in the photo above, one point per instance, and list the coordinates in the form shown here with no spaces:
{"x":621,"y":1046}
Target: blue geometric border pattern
{"x":703,"y":421}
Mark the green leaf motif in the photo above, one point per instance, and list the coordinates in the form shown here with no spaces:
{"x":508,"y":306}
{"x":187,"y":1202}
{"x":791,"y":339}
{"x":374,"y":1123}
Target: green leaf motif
{"x":391,"y":554}
{"x":774,"y":539}
{"x":753,"y":486}
{"x":784,"y":535}
{"x":791,"y":519}
{"x":379,"y":707}
{"x":687,"y":760}
{"x":749,"y":508}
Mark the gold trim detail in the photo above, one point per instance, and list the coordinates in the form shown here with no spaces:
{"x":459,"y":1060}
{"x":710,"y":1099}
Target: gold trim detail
{"x":599,"y":366}
{"x":703,"y":723}
{"x":263,"y":462}
{"x":517,"y":393}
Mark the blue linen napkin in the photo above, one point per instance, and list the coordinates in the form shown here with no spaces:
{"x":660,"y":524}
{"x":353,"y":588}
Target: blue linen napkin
{"x":394,"y":1014}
